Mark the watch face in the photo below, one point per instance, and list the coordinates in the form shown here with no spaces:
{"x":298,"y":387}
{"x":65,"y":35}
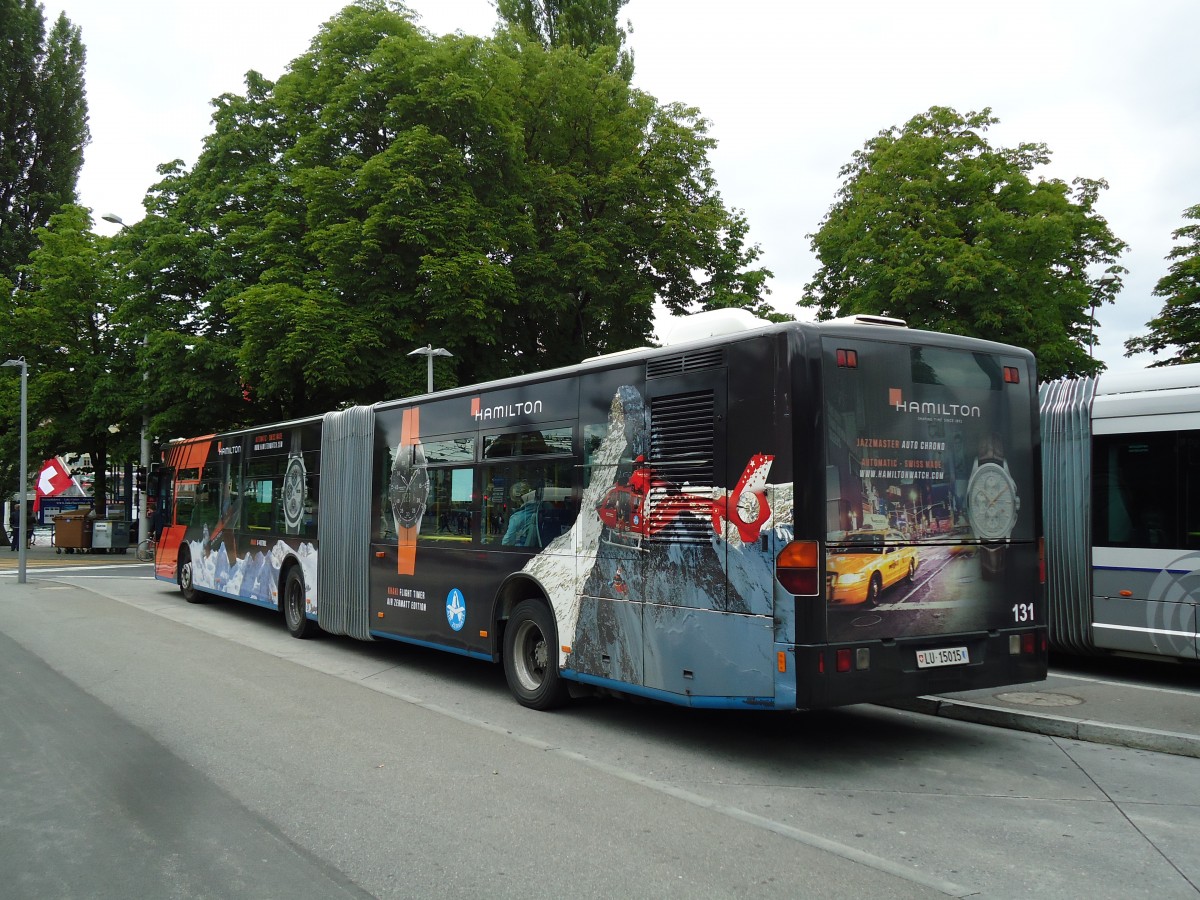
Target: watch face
{"x":294,"y":490}
{"x":992,"y":502}
{"x":409,"y":489}
{"x":748,"y":507}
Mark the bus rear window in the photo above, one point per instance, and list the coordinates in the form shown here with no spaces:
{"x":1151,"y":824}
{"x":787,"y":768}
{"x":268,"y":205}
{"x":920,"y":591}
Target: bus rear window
{"x":936,"y":365}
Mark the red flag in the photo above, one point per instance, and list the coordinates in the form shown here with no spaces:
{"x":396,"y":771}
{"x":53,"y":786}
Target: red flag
{"x":52,"y":480}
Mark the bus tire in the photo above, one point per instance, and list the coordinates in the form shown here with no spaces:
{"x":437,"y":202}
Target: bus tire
{"x":531,"y":657}
{"x":294,"y":617}
{"x":874,"y":589}
{"x":186,"y":573}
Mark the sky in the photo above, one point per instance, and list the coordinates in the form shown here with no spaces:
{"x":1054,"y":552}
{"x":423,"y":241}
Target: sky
{"x":791,"y":89}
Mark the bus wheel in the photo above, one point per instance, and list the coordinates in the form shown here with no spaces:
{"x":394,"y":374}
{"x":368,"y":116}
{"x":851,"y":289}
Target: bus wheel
{"x":187,"y":586}
{"x":298,"y":624}
{"x":531,"y":657}
{"x":874,"y":589}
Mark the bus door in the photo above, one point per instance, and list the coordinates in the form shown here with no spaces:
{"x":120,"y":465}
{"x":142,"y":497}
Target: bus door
{"x":160,"y":501}
{"x":180,"y":480}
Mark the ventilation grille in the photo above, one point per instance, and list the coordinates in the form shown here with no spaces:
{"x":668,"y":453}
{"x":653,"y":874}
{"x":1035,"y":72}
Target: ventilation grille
{"x":682,"y":443}
{"x":712,"y":358}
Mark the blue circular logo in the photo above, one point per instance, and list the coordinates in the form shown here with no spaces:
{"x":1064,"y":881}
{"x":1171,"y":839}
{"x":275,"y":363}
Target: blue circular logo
{"x":456,"y":609}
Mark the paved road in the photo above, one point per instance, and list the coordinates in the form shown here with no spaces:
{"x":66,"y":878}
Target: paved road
{"x":95,"y":807}
{"x":412,"y":773}
{"x":1071,"y":703}
{"x":233,"y":761}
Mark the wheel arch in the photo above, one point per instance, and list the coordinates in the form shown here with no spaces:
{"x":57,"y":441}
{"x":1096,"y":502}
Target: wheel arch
{"x":515,"y":588}
{"x":291,"y":561}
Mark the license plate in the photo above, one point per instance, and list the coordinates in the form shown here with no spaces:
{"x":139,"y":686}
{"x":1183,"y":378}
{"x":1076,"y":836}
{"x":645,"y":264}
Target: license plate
{"x":943,"y":656}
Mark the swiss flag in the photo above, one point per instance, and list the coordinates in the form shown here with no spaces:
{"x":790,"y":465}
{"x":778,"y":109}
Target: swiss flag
{"x":52,"y":480}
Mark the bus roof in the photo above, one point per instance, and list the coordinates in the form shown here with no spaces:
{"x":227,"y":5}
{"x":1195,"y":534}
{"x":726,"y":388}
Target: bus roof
{"x":1164,"y":378}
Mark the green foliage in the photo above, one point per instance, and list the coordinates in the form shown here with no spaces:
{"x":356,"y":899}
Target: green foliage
{"x":585,"y":25}
{"x":935,"y":226}
{"x":518,"y":203}
{"x":81,"y":362}
{"x":1176,"y":328}
{"x":43,"y":126}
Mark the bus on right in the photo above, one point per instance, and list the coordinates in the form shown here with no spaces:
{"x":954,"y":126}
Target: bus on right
{"x":1121,"y":466}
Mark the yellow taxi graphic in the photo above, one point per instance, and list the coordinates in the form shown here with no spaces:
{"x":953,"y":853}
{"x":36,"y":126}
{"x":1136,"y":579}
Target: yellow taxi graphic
{"x":865,"y":563}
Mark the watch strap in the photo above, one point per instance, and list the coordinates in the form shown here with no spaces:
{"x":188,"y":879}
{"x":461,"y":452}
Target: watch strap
{"x":406,"y":544}
{"x":991,"y":449}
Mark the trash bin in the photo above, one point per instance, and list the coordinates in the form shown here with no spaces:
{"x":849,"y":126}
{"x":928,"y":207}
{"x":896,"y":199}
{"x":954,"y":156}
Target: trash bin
{"x":111,"y":536}
{"x":72,"y":531}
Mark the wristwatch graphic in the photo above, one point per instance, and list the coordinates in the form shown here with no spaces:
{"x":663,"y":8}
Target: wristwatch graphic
{"x":409,"y":490}
{"x":992,"y":501}
{"x":295,"y":489}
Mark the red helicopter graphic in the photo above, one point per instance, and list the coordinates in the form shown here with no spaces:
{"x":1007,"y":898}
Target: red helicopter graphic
{"x":646,"y":504}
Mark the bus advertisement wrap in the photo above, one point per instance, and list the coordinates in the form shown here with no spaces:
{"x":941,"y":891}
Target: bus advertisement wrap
{"x":931,"y":500}
{"x":801,"y":517}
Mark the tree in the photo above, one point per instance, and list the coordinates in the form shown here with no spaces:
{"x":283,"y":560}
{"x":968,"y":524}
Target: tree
{"x":935,"y":226}
{"x":585,"y":25}
{"x":82,"y":362}
{"x":519,"y":204}
{"x":1177,"y":325}
{"x":43,"y":126}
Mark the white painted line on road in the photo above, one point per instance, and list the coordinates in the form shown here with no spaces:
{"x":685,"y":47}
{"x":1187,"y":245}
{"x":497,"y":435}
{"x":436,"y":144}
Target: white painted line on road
{"x":61,"y":570}
{"x":1140,"y":687}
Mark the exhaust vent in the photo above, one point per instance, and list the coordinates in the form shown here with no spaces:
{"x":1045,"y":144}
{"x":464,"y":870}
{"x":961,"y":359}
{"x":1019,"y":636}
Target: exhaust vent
{"x":712,"y":358}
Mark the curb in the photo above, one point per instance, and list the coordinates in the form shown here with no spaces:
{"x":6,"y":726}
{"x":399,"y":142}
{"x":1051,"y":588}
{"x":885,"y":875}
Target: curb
{"x":1054,"y":726}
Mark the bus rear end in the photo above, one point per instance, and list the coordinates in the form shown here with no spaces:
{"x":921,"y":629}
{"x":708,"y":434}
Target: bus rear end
{"x":931,"y":574}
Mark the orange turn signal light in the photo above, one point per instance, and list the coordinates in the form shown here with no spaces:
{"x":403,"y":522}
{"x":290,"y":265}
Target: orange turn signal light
{"x":797,"y":567}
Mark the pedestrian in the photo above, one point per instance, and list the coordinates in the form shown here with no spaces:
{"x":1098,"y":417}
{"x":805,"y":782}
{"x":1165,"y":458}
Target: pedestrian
{"x":14,"y":526}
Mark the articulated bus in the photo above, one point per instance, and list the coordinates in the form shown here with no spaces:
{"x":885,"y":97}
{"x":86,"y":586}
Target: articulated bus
{"x":1121,"y":454}
{"x":755,"y":516}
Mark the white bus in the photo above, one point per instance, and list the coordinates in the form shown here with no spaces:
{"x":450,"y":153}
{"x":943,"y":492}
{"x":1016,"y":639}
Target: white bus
{"x":1121,"y":458}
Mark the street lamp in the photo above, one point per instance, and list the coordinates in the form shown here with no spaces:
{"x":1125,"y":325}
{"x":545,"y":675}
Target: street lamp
{"x":144,"y":452}
{"x":22,"y":532}
{"x":430,"y":353}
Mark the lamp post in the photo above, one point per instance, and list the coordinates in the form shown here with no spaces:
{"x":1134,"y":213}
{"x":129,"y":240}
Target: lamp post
{"x":144,"y":451}
{"x":22,"y":527}
{"x":429,"y":352}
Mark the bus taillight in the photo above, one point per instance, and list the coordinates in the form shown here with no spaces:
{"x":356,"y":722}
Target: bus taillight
{"x":797,"y":568}
{"x":1025,"y":643}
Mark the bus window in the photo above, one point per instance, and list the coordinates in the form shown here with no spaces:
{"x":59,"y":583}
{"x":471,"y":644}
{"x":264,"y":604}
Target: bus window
{"x":593,"y":437}
{"x":526,"y":504}
{"x":447,"y":467}
{"x":545,"y":442}
{"x":261,"y":493}
{"x":1189,"y":456}
{"x":185,"y":503}
{"x":206,"y":510}
{"x":1135,"y":496}
{"x":448,"y":510}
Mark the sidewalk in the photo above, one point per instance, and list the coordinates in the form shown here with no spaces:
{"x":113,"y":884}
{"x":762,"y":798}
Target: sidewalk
{"x":1140,"y":716}
{"x":42,"y":555}
{"x":1143,"y":717}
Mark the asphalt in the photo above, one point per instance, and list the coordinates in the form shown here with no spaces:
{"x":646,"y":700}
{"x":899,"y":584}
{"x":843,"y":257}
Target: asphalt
{"x":1121,"y":711}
